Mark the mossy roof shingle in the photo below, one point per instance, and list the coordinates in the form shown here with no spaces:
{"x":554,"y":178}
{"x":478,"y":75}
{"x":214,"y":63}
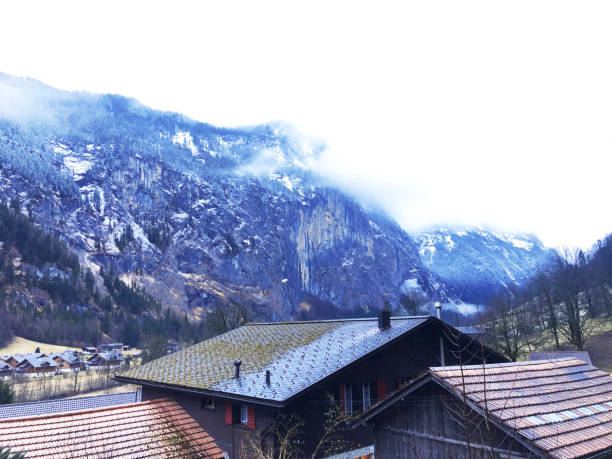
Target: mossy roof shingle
{"x":298,"y":354}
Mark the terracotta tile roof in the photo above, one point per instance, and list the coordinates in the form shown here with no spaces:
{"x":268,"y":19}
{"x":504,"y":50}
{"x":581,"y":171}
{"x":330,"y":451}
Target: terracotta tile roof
{"x":562,"y":406}
{"x":157,"y":428}
{"x":298,"y":354}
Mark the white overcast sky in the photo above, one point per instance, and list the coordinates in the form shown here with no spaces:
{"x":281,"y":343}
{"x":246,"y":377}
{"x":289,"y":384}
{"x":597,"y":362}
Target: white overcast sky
{"x":444,"y":112}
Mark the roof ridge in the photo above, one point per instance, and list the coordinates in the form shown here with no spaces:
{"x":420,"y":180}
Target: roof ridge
{"x":514,"y":375}
{"x":356,"y":319}
{"x":52,"y":400}
{"x":87,"y":410}
{"x":505,"y":364}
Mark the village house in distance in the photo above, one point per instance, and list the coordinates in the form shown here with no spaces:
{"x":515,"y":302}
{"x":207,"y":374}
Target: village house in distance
{"x":236,"y":385}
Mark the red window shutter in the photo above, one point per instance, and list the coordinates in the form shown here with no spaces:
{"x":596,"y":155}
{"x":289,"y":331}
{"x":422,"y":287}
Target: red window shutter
{"x":341,"y":395}
{"x":381,"y":390}
{"x":228,"y":413}
{"x":251,"y":417}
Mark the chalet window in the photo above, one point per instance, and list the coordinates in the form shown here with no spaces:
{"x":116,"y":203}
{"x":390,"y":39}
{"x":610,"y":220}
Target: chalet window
{"x":233,"y":413}
{"x":244,"y":413}
{"x":348,"y":398}
{"x":357,"y":397}
{"x":208,"y":403}
{"x":366,"y":395}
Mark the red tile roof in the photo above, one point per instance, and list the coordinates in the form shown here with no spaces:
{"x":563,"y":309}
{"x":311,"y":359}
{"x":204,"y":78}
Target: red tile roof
{"x":157,"y":428}
{"x":562,"y":406}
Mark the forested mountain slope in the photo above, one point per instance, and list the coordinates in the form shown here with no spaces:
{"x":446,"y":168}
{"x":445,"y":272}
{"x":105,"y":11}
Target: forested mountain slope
{"x":47,"y":295}
{"x":199,"y":216}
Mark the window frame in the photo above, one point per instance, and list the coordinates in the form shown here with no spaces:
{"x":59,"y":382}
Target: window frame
{"x":365,"y":390}
{"x":244,"y":413}
{"x":348,"y":399}
{"x":208,"y":403}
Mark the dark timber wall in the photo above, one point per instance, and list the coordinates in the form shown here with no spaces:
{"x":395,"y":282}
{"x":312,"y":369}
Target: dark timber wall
{"x":431,"y":423}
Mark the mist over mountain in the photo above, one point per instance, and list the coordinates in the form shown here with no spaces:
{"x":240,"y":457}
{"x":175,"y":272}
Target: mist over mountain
{"x":202,"y":216}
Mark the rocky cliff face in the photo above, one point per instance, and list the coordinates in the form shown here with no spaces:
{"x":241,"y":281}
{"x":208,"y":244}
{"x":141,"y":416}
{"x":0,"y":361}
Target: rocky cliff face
{"x":200,"y":215}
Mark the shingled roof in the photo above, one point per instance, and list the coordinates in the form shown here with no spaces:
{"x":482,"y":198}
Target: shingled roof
{"x":298,"y":355}
{"x":157,"y":428}
{"x":562,"y":408}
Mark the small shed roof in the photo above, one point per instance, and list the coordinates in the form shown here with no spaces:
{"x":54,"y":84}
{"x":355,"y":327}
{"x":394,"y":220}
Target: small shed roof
{"x":156,"y":428}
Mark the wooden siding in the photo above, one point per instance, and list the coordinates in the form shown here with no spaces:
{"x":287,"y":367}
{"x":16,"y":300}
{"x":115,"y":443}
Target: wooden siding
{"x":432,"y":423}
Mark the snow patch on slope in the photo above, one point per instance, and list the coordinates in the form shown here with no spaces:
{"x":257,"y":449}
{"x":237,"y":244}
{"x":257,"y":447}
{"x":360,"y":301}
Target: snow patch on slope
{"x":184,"y":139}
{"x":77,"y":164}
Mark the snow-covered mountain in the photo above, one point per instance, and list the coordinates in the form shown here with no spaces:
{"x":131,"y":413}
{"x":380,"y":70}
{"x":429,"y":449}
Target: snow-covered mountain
{"x":201,"y":215}
{"x":476,"y":262}
{"x":196,"y":214}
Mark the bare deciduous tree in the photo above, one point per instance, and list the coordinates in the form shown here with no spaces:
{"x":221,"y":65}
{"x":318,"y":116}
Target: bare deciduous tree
{"x":412,"y":300}
{"x":286,"y":435}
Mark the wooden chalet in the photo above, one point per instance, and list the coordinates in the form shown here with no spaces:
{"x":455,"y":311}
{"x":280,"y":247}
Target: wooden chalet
{"x":11,"y":360}
{"x":111,"y":347}
{"x":558,"y":408}
{"x":35,"y":364}
{"x":105,"y":359}
{"x":238,"y":385}
{"x":6,"y":370}
{"x":67,"y":360}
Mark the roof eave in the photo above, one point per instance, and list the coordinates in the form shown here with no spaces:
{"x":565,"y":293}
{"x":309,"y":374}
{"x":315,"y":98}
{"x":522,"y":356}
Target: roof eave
{"x":193,"y":390}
